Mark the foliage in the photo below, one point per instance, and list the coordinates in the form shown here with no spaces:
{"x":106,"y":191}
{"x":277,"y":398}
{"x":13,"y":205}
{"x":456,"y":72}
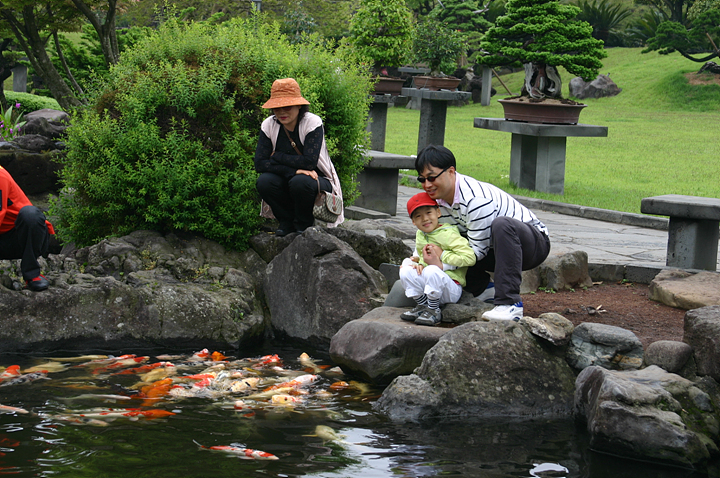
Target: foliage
{"x":644,"y":28}
{"x":702,"y":6}
{"x":297,"y":23}
{"x":438,"y":45}
{"x":674,"y":10}
{"x":466,"y":17}
{"x":170,"y":140}
{"x":382,"y":30}
{"x":673,"y":36}
{"x":30,"y":102}
{"x":605,"y":17}
{"x":11,"y":123}
{"x":543,"y":32}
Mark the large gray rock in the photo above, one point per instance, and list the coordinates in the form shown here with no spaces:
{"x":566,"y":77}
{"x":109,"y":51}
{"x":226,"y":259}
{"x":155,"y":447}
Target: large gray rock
{"x":702,"y":333}
{"x":483,"y":369}
{"x":605,"y":346}
{"x":374,"y":249}
{"x":145,"y":288}
{"x":43,"y":127}
{"x":566,"y":271}
{"x":600,"y":87}
{"x":686,"y":290}
{"x":49,"y":115}
{"x":381,"y":346}
{"x":648,"y":414}
{"x":550,"y":326}
{"x":34,"y":143}
{"x":317,"y":284}
{"x":669,"y":355}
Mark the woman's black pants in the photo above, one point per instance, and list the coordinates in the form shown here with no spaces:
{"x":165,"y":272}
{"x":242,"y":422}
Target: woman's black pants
{"x":291,"y":199}
{"x":28,"y":240}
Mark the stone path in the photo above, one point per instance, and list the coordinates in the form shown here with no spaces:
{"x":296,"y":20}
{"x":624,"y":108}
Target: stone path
{"x":606,"y":243}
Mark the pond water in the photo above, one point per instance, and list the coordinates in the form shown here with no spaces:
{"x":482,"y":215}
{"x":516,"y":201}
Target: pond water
{"x":78,"y":424}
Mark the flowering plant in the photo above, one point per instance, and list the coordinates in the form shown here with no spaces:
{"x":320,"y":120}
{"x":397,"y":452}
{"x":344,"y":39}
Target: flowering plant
{"x":9,"y":126}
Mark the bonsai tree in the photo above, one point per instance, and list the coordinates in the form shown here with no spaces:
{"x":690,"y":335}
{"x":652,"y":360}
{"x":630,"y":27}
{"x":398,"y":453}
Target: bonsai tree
{"x":542,"y":35}
{"x":438,"y":45}
{"x":382,"y":31}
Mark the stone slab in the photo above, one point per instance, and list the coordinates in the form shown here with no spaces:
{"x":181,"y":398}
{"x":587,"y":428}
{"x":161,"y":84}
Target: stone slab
{"x":677,"y":205}
{"x":441,"y":95}
{"x":383,"y":160}
{"x":536,"y":129}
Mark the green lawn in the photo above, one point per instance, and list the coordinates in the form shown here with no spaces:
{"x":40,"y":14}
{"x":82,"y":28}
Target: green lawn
{"x":662,"y":136}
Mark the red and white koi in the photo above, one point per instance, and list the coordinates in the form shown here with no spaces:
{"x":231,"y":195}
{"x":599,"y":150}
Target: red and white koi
{"x":268,"y":360}
{"x":131,"y":413}
{"x":12,"y":371}
{"x":121,"y":363}
{"x":9,"y":409}
{"x":144,"y":368}
{"x":243,"y":453}
{"x":200,"y":356}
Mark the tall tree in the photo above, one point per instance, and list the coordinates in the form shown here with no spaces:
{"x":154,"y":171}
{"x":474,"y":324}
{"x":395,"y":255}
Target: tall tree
{"x":104,"y":27}
{"x":699,"y":38}
{"x":675,"y":10}
{"x":32,"y":24}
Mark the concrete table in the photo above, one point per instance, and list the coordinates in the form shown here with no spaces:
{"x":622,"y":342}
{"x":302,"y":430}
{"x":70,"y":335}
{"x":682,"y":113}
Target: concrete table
{"x":537,"y":151}
{"x":433,"y":113}
{"x":377,"y":119}
{"x":378,"y":181}
{"x":693,"y":230}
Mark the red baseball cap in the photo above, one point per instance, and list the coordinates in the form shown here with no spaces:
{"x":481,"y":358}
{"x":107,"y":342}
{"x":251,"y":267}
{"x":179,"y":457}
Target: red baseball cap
{"x":420,"y":199}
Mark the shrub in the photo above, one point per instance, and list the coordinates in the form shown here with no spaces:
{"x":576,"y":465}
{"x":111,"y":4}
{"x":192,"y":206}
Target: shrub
{"x":170,"y":139}
{"x":30,"y":102}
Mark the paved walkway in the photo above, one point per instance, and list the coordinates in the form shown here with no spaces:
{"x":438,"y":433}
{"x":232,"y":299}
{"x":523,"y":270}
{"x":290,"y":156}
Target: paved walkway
{"x":606,"y":243}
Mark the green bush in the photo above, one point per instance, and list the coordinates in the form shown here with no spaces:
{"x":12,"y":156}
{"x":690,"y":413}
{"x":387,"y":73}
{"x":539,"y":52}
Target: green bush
{"x":170,"y":139}
{"x":30,"y":102}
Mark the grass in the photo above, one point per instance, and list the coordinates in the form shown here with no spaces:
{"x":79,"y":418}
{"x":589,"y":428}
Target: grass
{"x":662,"y":136}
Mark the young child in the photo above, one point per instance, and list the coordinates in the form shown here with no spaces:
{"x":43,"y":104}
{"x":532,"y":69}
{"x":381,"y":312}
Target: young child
{"x":436,"y":274}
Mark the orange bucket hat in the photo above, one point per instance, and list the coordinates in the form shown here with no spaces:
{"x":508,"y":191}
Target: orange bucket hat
{"x":285,"y":92}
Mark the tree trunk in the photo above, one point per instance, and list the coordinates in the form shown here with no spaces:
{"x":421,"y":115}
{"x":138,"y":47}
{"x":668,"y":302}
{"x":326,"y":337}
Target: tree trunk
{"x":29,"y":39}
{"x":65,"y":65}
{"x":105,"y":31}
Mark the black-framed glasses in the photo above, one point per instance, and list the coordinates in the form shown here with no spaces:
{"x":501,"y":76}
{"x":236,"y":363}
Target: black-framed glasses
{"x":432,"y":179}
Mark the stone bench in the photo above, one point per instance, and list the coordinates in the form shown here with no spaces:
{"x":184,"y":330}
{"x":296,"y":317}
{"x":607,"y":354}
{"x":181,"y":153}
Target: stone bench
{"x":378,"y":182}
{"x":693,"y":229}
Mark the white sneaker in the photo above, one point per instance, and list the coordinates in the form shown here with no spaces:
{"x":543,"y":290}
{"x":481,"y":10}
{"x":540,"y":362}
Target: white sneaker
{"x":505,"y":312}
{"x":488,"y":294}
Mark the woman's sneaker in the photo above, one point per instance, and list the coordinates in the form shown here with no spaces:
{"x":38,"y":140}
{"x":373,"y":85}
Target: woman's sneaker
{"x":37,"y":284}
{"x":411,"y":315}
{"x":505,"y":312}
{"x":429,"y":317}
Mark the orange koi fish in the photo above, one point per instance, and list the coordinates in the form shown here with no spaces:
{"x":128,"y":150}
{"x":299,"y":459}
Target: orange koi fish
{"x":218,"y":357}
{"x":144,"y":368}
{"x":301,"y":381}
{"x":243,"y":453}
{"x":126,"y":362}
{"x":12,"y":371}
{"x":268,"y":360}
{"x":156,"y":391}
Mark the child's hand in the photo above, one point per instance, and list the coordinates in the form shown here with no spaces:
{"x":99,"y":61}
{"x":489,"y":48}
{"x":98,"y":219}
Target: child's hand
{"x":415,"y":259}
{"x":418,"y":268}
{"x":431,"y":256}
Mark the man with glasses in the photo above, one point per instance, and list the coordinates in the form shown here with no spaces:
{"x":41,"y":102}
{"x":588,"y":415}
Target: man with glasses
{"x":507,"y":237}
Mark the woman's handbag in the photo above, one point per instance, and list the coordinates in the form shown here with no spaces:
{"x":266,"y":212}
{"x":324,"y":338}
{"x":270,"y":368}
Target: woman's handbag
{"x":327,"y":206}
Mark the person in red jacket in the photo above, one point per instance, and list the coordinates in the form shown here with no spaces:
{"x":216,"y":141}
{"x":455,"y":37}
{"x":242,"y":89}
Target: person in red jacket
{"x":24,"y":232}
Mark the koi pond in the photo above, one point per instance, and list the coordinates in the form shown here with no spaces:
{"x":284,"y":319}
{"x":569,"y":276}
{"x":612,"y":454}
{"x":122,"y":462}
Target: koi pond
{"x":279,"y":413}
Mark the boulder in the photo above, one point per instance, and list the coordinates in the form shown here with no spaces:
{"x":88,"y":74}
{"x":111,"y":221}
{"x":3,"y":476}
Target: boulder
{"x":483,"y":369}
{"x":49,"y":115}
{"x":35,"y":173}
{"x":686,"y":290}
{"x":566,"y":271}
{"x":649,"y":415}
{"x":669,"y":355}
{"x":702,"y":333}
{"x":604,"y":346}
{"x":550,"y":326}
{"x":600,"y":87}
{"x":316,"y":285}
{"x":381,"y":346}
{"x":145,"y":288}
{"x":34,"y":143}
{"x":374,"y":249}
{"x":50,"y":129}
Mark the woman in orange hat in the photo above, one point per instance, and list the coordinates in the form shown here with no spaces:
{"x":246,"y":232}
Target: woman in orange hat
{"x":292,"y":159}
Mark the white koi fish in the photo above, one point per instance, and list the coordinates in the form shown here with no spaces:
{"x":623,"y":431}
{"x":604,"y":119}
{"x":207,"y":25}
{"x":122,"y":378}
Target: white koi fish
{"x":307,"y":362}
{"x":243,"y":453}
{"x":286,"y":400}
{"x":47,"y":366}
{"x":27,"y":378}
{"x":9,"y":409}
{"x":326,"y":434}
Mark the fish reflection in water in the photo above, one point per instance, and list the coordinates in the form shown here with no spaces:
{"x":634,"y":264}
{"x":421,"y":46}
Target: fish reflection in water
{"x":255,"y":385}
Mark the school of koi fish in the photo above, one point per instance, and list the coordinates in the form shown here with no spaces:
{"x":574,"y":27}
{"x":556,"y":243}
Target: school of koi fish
{"x":245,"y":385}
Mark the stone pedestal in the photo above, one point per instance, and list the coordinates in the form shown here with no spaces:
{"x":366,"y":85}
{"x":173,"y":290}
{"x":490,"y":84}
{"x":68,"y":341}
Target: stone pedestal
{"x":693,"y":230}
{"x":433,"y":113}
{"x":377,"y":119}
{"x":537,"y":152}
{"x":20,"y":74}
{"x":378,"y":181}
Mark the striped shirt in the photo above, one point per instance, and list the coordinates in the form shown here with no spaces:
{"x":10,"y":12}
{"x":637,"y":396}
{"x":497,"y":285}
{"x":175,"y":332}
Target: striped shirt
{"x":476,"y":205}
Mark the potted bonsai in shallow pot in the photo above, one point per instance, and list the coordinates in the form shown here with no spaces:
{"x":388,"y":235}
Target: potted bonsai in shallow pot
{"x":542,"y":35}
{"x":439,"y":47}
{"x":382,"y":31}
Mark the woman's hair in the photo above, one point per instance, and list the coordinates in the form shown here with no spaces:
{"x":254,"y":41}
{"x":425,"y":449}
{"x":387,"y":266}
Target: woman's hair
{"x":303,"y":109}
{"x":436,"y":156}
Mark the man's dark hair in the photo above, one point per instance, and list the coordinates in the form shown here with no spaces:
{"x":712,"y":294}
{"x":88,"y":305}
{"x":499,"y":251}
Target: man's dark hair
{"x":436,"y":156}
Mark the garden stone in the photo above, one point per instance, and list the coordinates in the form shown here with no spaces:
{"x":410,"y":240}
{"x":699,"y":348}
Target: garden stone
{"x":648,"y":414}
{"x":550,"y":326}
{"x":50,"y":129}
{"x":604,"y":346}
{"x":566,"y":271}
{"x":380,"y":346}
{"x":269,"y":245}
{"x":600,"y":87}
{"x":34,"y":143}
{"x":669,"y":355}
{"x":49,"y":115}
{"x":483,"y":369}
{"x":316,"y":285}
{"x":686,"y":290}
{"x":35,"y":173}
{"x":374,"y":249}
{"x":702,"y":333}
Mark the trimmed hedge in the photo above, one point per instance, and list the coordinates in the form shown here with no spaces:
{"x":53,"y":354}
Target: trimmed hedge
{"x":170,"y":139}
{"x":30,"y":102}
